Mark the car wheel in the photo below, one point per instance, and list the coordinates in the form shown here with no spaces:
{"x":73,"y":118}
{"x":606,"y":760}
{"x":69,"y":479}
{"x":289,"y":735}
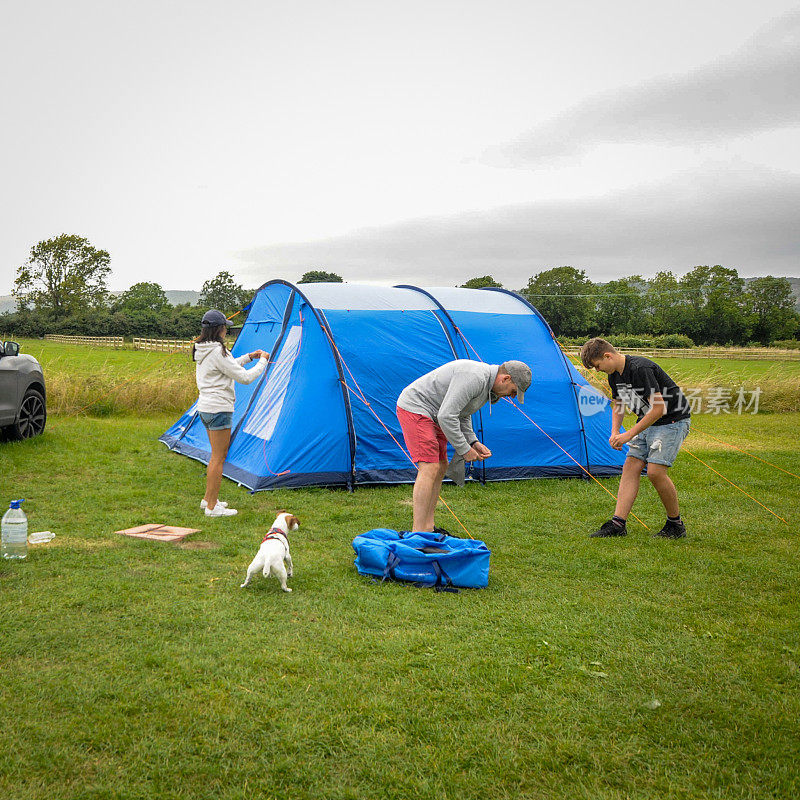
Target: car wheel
{"x":32,"y":416}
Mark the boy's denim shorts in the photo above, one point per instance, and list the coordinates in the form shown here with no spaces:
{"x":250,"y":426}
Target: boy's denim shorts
{"x":659,"y":444}
{"x":219,"y":421}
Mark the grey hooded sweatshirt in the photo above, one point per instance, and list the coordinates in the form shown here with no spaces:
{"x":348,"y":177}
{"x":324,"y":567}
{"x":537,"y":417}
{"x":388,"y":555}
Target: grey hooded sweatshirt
{"x":450,"y":395}
{"x":216,"y":371}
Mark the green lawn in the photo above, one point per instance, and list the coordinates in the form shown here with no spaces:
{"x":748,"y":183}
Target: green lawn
{"x":728,"y":369}
{"x":134,"y":669}
{"x":777,"y":381}
{"x":99,"y":381}
{"x":102,"y":381}
{"x":69,"y":358}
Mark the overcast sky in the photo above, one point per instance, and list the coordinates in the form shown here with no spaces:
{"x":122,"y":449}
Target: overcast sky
{"x":423,"y":142}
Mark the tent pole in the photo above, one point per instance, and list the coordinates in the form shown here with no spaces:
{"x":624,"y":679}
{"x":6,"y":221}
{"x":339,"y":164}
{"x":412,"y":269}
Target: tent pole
{"x":323,"y":321}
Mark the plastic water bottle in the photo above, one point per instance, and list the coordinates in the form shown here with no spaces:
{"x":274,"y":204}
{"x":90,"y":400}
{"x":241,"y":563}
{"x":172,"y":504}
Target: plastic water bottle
{"x":15,"y":531}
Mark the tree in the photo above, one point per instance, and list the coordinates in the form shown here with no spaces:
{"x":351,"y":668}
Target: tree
{"x":480,"y":283}
{"x":142,"y":297}
{"x":717,"y":304}
{"x":320,"y":276}
{"x":772,"y":308}
{"x":223,"y":293}
{"x":181,"y":321}
{"x":62,"y":275}
{"x":665,"y":309}
{"x":565,"y":298}
{"x":620,"y":306}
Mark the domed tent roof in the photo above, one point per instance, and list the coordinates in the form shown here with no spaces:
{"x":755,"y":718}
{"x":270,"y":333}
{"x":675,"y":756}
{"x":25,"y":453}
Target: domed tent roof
{"x":323,"y":413}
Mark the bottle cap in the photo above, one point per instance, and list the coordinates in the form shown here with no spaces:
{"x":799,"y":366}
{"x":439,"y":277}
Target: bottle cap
{"x":16,"y":503}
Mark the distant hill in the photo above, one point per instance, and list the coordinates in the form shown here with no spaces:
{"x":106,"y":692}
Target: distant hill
{"x":796,"y":291}
{"x":795,"y":282}
{"x":176,"y":297}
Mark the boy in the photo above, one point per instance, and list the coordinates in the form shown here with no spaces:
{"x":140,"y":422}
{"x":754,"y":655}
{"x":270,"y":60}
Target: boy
{"x":662,"y":425}
{"x":436,"y":409}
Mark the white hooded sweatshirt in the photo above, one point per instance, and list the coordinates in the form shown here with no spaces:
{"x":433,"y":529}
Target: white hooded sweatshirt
{"x":216,"y":372}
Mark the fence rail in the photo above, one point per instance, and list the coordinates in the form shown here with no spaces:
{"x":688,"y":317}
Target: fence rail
{"x":163,"y":345}
{"x":94,"y":341}
{"x":736,"y":353}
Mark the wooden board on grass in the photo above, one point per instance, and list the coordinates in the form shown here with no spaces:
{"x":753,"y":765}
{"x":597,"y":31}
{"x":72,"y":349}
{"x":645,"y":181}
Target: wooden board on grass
{"x":159,"y":532}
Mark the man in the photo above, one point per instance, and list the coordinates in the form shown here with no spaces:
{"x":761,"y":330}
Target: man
{"x":436,"y":409}
{"x":662,"y":425}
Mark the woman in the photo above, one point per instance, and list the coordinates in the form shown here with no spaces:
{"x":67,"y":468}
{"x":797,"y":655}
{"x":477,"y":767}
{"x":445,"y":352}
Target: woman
{"x":216,"y":372}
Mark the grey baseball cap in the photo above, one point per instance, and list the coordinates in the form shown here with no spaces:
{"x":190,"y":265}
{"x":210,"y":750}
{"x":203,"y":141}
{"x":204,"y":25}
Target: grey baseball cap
{"x":520,"y":373}
{"x":213,"y":318}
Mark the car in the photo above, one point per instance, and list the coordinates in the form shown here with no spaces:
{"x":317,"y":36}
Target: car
{"x":23,"y":404}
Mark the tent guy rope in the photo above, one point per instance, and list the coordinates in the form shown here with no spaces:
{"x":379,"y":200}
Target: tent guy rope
{"x":569,"y":455}
{"x":362,"y":397}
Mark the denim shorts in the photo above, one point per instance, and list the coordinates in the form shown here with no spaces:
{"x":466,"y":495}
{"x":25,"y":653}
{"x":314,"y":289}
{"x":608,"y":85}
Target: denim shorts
{"x":219,"y":421}
{"x":659,"y":444}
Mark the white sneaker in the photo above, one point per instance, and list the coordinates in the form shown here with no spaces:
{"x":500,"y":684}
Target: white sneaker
{"x":220,"y":511}
{"x":204,"y":504}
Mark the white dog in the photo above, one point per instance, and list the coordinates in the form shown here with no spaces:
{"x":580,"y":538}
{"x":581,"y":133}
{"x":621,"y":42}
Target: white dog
{"x":274,"y":551}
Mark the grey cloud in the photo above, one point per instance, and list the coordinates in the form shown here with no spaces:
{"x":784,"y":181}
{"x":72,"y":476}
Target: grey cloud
{"x":755,"y":89}
{"x":746,"y":220}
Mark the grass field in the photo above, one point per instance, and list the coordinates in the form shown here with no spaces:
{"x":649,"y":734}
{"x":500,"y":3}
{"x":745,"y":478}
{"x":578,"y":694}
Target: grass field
{"x":703,"y":369}
{"x":72,"y":358}
{"x":590,"y":669}
{"x":777,"y":381}
{"x":633,"y":668}
{"x":103,"y":381}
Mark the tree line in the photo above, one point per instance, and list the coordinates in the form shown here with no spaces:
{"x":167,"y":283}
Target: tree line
{"x":61,"y":288}
{"x":709,"y":305}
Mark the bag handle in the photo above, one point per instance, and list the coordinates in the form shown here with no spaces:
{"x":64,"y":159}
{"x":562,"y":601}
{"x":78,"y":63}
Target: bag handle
{"x":443,"y":582}
{"x":391,"y":562}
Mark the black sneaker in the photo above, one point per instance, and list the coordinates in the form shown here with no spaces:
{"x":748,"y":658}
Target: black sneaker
{"x":673,"y":530}
{"x":611,"y":528}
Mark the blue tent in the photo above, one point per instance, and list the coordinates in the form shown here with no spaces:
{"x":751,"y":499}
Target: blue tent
{"x":323,"y":412}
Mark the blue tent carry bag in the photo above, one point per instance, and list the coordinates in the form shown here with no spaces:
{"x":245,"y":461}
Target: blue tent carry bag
{"x":429,"y":559}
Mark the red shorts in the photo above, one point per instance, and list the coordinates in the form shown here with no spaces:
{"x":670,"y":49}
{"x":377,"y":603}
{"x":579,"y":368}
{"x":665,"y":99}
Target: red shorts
{"x":424,"y":439}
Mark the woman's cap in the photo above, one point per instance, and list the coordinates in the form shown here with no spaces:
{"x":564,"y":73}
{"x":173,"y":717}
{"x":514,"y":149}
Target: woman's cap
{"x":214,"y":318}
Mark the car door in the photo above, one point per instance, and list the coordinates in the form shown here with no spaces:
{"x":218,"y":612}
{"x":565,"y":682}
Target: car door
{"x":9,"y":379}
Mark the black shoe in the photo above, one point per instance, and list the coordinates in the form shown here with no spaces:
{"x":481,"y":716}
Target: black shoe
{"x":611,"y":528}
{"x":442,"y":530}
{"x":673,"y":530}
